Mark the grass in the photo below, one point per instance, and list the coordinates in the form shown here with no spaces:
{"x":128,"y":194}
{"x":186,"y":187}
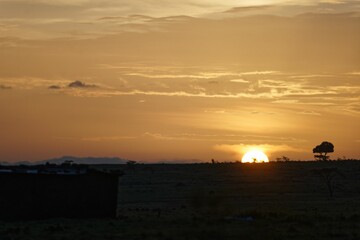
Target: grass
{"x":270,"y":225}
{"x":218,"y":201}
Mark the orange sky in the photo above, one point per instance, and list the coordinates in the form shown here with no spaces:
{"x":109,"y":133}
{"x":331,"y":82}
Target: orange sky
{"x":157,"y":80}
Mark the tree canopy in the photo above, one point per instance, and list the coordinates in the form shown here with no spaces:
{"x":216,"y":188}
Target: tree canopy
{"x":323,"y":149}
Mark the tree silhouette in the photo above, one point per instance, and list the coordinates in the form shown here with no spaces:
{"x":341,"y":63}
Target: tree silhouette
{"x":323,"y":149}
{"x":329,"y":176}
{"x":283,"y":159}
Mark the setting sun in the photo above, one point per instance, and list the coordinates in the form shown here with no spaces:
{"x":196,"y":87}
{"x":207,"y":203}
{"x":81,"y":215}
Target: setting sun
{"x":254,"y":156}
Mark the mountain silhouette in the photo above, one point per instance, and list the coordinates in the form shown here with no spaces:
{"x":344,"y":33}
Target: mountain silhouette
{"x":77,"y":160}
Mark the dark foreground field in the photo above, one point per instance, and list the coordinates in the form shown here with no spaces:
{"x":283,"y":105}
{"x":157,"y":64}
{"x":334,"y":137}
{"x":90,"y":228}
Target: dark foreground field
{"x":220,"y":201}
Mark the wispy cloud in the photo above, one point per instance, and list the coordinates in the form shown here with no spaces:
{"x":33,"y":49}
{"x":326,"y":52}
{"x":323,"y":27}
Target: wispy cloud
{"x":205,"y":75}
{"x":208,"y":75}
{"x":54,"y":87}
{"x":353,"y":107}
{"x":286,"y":101}
{"x":354,"y":73}
{"x":80,"y":84}
{"x":107,"y":138}
{"x":291,"y":8}
{"x":261,"y":73}
{"x":217,"y":137}
{"x":310,"y":112}
{"x":312,"y":76}
{"x":243,"y":9}
{"x":31,"y":82}
{"x":170,"y":94}
{"x":87,"y":19}
{"x":200,"y":94}
{"x":239,"y":81}
{"x":53,"y":2}
{"x":4,"y":87}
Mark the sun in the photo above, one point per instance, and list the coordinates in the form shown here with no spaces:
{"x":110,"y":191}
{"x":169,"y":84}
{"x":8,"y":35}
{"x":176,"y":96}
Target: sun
{"x":254,"y":156}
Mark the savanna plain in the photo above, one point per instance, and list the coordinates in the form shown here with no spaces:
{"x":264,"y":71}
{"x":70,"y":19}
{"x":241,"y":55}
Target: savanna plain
{"x":277,"y":200}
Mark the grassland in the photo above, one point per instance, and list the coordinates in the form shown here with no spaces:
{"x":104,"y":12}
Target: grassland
{"x":218,"y":201}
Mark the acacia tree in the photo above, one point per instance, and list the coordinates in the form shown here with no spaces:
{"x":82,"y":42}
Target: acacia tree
{"x":323,"y":149}
{"x":329,"y":176}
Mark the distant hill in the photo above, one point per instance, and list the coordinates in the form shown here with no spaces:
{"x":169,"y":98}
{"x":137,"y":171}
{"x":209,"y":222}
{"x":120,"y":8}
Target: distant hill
{"x":85,"y":160}
{"x":77,"y":160}
{"x":4,"y":163}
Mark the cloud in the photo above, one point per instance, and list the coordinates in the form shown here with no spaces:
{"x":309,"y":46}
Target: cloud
{"x":192,"y":137}
{"x":312,"y":76}
{"x":357,"y":73}
{"x":159,"y":136}
{"x":131,"y":18}
{"x":78,"y":19}
{"x":353,"y":107}
{"x":203,"y":93}
{"x":333,"y":1}
{"x":4,"y":87}
{"x":182,"y":18}
{"x":29,"y":83}
{"x":219,"y":137}
{"x":202,"y":75}
{"x":107,"y":138}
{"x":346,"y":89}
{"x":52,"y":2}
{"x":309,"y":112}
{"x":54,"y":87}
{"x":174,"y":94}
{"x":79,"y":84}
{"x":293,"y":8}
{"x":286,"y":101}
{"x":248,"y":8}
{"x":239,"y":81}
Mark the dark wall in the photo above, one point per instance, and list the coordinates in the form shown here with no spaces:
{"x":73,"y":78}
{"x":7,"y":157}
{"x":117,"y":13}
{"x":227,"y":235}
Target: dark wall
{"x":32,"y":196}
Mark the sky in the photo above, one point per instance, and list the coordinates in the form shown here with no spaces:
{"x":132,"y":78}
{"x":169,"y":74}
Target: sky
{"x":178,"y":81}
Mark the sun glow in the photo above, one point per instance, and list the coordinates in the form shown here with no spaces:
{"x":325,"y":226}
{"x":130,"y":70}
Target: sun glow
{"x":254,"y":156}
